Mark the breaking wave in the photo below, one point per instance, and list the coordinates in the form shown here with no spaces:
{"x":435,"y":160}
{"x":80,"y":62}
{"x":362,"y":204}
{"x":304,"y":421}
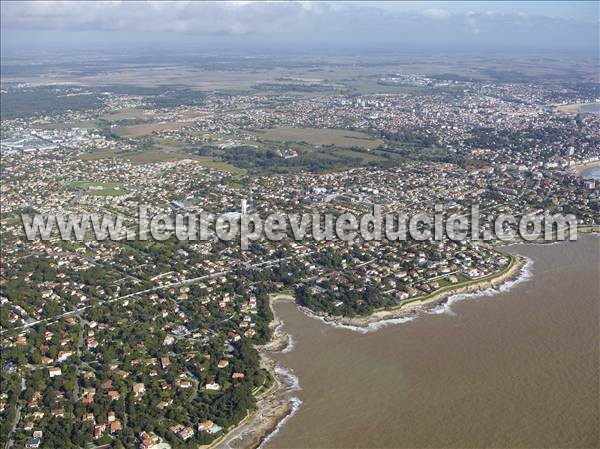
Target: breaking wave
{"x":371,"y":327}
{"x":291,"y":380}
{"x":446,"y":308}
{"x":288,"y":376}
{"x":296,"y":403}
{"x":290,"y":345}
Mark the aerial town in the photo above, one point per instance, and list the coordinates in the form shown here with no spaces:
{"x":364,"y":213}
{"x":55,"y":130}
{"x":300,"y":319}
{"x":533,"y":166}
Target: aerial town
{"x":143,"y":343}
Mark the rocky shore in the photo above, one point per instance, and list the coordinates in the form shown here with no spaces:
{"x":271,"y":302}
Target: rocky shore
{"x":578,"y":169}
{"x":408,"y":311}
{"x":274,"y":405}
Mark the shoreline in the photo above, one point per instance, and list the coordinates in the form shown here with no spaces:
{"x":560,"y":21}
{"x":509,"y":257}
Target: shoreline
{"x":517,"y":271}
{"x":581,"y":229}
{"x":519,"y":268}
{"x":573,"y":108}
{"x":275,"y":405}
{"x":579,"y":169}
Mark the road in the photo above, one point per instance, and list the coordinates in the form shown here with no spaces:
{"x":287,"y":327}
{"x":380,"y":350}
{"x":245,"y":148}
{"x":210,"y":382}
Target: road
{"x":11,"y":434}
{"x":141,"y":292}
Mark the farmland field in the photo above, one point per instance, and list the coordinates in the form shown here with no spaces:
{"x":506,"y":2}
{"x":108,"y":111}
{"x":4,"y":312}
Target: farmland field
{"x":147,"y":129}
{"x":89,"y":124}
{"x":337,"y":137}
{"x":127,"y":114}
{"x":162,"y":155}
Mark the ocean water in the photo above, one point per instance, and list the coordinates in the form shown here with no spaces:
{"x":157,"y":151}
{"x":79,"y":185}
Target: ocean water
{"x":592,"y":173}
{"x":591,"y":107}
{"x":515,"y":368}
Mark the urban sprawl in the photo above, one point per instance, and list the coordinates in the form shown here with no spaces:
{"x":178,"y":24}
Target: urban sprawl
{"x":139,"y":342}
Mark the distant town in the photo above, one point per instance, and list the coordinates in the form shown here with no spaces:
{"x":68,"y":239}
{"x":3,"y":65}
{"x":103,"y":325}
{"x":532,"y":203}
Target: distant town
{"x":151,"y":343}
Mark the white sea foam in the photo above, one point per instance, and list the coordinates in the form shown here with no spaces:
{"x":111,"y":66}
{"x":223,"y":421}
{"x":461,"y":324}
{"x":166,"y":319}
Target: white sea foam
{"x":292,"y":381}
{"x":371,"y":327}
{"x":558,"y":242}
{"x":289,"y":378}
{"x":524,"y":275}
{"x":296,"y":403}
{"x":279,"y":325}
{"x":290,"y":345}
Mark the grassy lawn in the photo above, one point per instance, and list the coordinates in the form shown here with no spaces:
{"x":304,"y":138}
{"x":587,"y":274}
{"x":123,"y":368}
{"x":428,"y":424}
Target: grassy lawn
{"x":316,"y":136}
{"x":100,"y":188}
{"x":365,"y":157}
{"x":236,"y":182}
{"x":209,"y":162}
{"x":89,"y":184}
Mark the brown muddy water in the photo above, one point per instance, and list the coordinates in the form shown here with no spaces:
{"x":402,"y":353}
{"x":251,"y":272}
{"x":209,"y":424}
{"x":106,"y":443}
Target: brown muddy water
{"x":517,"y":369}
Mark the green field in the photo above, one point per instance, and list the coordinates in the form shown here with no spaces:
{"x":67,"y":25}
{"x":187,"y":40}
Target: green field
{"x":100,"y":188}
{"x":364,"y":156}
{"x":146,"y":129}
{"x":89,"y":124}
{"x":338,"y":137}
{"x":209,"y":162}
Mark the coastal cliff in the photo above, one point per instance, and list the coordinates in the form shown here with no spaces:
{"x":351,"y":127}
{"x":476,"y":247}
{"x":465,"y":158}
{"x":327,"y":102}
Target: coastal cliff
{"x":417,"y":305}
{"x":276,"y":404}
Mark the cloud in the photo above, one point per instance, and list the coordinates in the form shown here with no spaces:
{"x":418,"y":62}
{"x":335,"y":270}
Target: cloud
{"x":350,"y":23}
{"x":158,"y":16}
{"x":470,"y":18}
{"x":436,"y":13}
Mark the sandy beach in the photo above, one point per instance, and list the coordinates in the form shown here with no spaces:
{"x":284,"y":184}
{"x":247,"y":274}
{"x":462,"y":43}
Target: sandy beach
{"x":574,"y":108}
{"x":578,"y":169}
{"x":568,"y":108}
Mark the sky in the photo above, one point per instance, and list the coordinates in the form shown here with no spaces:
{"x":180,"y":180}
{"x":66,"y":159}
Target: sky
{"x":122,"y":25}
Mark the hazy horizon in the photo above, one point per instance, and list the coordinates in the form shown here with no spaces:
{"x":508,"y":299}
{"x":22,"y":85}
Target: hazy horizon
{"x":298,"y":26}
